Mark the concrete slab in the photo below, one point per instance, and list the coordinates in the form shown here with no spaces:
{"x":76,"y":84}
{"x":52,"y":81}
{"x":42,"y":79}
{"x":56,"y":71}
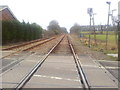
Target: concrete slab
{"x":10,"y":61}
{"x":33,"y":57}
{"x":97,"y":77}
{"x":112,"y":66}
{"x":52,"y":82}
{"x":8,"y":85}
{"x":11,"y":77}
{"x":56,"y":72}
{"x":5,"y":53}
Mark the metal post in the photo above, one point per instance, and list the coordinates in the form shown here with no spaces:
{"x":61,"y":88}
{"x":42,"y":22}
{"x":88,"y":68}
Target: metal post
{"x":119,"y":41}
{"x":101,"y":28}
{"x":114,"y":27}
{"x":90,"y":31}
{"x":112,"y":17}
{"x":107,"y":23}
{"x":94,"y":29}
{"x":118,"y":30}
{"x":90,"y":12}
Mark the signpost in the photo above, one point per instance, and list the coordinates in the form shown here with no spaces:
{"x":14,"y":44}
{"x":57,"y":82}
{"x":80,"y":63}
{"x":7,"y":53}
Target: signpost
{"x":90,"y":12}
{"x":109,"y":3}
{"x":94,"y":29}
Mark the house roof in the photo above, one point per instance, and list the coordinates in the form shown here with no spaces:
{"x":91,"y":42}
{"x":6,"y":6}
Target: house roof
{"x":3,"y":7}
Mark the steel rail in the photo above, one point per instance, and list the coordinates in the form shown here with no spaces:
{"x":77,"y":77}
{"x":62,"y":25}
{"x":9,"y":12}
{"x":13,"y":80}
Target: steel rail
{"x":23,"y":44}
{"x":18,"y":60}
{"x":47,"y":40}
{"x":35,"y":68}
{"x":79,"y":68}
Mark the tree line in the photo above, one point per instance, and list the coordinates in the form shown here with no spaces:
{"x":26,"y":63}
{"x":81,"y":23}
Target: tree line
{"x":15,"y":31}
{"x":54,"y":29}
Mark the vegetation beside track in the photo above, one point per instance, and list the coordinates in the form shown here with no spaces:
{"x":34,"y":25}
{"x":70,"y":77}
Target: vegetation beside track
{"x":102,"y":37}
{"x":15,"y":31}
{"x":82,"y":48}
{"x":111,"y":47}
{"x":100,"y":43}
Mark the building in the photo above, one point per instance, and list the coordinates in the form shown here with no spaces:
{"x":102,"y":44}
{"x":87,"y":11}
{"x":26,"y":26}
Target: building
{"x":6,"y":13}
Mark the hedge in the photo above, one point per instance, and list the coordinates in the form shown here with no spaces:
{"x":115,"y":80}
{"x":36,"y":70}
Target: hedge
{"x":15,"y":31}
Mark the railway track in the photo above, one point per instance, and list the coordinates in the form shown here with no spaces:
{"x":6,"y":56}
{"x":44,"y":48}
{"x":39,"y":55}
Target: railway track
{"x":10,"y":60}
{"x":26,"y":46}
{"x":34,"y":69}
{"x":79,"y":68}
{"x":81,"y":75}
{"x":16,"y":47}
{"x":59,"y":67}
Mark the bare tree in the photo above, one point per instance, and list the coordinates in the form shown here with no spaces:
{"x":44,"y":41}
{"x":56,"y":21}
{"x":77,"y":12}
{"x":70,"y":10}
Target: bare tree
{"x":76,"y":29}
{"x":64,"y":30}
{"x":54,"y":26}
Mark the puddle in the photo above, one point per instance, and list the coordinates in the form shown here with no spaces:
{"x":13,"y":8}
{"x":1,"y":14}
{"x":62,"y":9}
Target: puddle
{"x":113,"y":55}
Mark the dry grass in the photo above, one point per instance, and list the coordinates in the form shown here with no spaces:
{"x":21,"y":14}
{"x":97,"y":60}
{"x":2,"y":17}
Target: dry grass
{"x":101,"y":45}
{"x":82,"y":49}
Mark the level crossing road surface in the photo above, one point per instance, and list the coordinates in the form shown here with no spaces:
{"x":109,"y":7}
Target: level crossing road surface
{"x":56,"y":72}
{"x":97,"y":76}
{"x":59,"y":70}
{"x":112,"y":66}
{"x":12,"y":76}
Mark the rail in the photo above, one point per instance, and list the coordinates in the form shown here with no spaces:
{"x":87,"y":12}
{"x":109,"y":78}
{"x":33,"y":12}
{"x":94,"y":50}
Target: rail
{"x":34,"y":69}
{"x":47,"y":40}
{"x":79,"y":68}
{"x":21,"y":45}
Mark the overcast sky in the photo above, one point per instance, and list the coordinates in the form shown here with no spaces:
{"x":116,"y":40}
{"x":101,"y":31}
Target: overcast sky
{"x":66,"y":12}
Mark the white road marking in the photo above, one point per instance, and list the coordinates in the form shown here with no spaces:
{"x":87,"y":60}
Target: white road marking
{"x":106,"y":61}
{"x":113,"y":55}
{"x":90,"y":66}
{"x":7,"y":51}
{"x":107,"y":67}
{"x":16,"y":54}
{"x":112,"y":67}
{"x":59,"y":78}
{"x":10,"y":58}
